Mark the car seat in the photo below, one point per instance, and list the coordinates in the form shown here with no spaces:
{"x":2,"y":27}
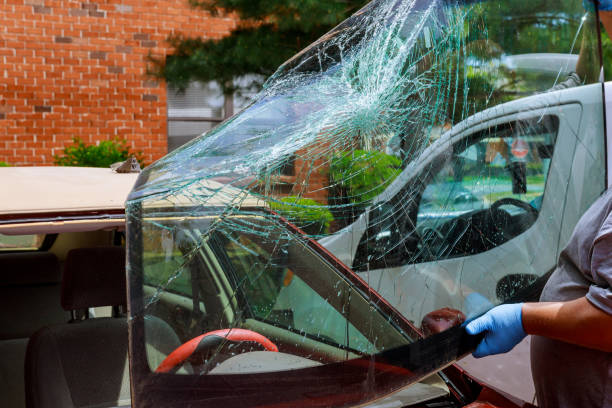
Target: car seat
{"x":84,"y":363}
{"x":30,"y":286}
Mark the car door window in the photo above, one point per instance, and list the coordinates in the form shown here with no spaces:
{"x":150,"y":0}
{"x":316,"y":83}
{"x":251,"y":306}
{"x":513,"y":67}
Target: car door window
{"x":473,"y":196}
{"x":488,"y":191}
{"x":259,"y":277}
{"x":275,"y":293}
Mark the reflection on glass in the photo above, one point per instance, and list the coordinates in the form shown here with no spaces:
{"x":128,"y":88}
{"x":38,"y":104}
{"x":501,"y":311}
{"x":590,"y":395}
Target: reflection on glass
{"x":259,"y":276}
{"x":490,"y":191}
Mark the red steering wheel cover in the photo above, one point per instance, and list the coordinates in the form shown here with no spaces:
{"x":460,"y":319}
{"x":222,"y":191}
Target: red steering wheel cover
{"x":183,"y":352}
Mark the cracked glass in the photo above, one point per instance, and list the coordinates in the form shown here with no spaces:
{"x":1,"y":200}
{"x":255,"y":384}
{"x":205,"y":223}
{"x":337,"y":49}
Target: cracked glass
{"x":420,"y":163}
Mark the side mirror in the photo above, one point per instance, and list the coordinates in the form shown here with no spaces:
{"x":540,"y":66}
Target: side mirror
{"x":441,"y":320}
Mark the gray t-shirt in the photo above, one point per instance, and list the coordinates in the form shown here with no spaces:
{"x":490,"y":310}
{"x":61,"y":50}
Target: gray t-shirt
{"x":566,"y":375}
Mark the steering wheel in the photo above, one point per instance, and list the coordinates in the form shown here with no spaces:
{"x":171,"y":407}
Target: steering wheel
{"x":495,"y":211}
{"x":208,"y":341}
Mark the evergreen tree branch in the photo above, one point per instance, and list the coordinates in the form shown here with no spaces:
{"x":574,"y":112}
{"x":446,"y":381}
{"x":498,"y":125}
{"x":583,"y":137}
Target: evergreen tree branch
{"x":269,"y":32}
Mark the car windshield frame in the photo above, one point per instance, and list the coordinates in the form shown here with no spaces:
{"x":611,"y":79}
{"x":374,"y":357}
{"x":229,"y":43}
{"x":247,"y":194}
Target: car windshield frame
{"x":400,"y":365}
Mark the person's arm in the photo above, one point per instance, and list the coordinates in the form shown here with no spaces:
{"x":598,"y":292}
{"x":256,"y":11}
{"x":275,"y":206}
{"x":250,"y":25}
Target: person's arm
{"x":586,"y":321}
{"x":577,"y":322}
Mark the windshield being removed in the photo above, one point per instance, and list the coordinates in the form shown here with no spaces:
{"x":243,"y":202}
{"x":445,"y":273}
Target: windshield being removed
{"x":399,"y":176}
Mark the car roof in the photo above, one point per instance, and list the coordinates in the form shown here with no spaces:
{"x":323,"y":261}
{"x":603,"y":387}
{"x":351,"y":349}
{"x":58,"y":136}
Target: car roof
{"x":71,"y":199}
{"x":49,"y":200}
{"x":34,"y":190}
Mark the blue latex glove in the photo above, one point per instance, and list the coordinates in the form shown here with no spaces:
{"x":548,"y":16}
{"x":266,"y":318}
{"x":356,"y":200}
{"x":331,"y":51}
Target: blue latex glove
{"x":503,"y":328}
{"x":603,"y":5}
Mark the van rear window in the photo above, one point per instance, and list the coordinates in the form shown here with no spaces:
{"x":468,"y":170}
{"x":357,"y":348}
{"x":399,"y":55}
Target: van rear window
{"x":21,"y":242}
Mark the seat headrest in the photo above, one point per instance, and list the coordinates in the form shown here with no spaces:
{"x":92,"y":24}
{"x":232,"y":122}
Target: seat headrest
{"x":94,"y":277}
{"x":29,"y":268}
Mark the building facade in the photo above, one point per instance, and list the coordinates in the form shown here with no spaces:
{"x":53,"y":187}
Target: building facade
{"x":79,"y":69}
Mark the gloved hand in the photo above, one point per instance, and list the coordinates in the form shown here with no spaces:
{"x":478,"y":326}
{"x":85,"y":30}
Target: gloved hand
{"x":503,"y":328}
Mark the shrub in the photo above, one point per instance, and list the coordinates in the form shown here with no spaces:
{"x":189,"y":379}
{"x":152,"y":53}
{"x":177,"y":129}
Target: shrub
{"x":310,"y":216}
{"x":362,"y":175}
{"x":103,"y":154}
{"x":4,"y":164}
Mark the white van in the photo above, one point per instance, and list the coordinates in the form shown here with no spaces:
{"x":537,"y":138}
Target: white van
{"x":468,"y":215}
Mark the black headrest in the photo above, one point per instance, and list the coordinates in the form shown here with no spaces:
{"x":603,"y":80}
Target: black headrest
{"x":29,"y":268}
{"x":94,"y":277}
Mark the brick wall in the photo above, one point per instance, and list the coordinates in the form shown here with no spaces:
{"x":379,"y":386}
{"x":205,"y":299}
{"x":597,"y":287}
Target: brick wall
{"x":78,"y":68}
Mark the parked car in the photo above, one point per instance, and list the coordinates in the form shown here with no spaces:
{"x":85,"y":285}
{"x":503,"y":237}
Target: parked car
{"x":64,"y":340}
{"x":230,"y":304}
{"x":510,"y":241}
{"x":61,"y":232}
{"x":500,"y":155}
{"x":464,"y":211}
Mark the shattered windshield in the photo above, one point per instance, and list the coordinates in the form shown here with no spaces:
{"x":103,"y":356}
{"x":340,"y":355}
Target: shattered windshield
{"x":404,"y":173}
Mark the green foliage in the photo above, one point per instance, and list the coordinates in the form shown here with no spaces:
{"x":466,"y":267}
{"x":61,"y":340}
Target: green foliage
{"x":526,"y":26}
{"x":312,"y":217}
{"x":103,"y":154}
{"x":496,"y":29}
{"x":269,"y":33}
{"x":4,"y":164}
{"x":606,"y":45}
{"x":362,"y":175}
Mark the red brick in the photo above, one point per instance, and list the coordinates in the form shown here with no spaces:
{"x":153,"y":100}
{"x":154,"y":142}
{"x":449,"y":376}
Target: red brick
{"x":41,"y":9}
{"x":123,"y":49}
{"x":78,"y":68}
{"x":78,"y":12}
{"x":97,"y":55}
{"x":65,"y":40}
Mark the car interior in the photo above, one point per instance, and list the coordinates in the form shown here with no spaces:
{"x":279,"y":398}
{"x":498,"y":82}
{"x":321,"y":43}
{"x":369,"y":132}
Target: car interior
{"x":260,"y":278}
{"x":64,"y":341}
{"x":269,"y":284}
{"x":83,"y":361}
{"x":64,"y":334}
{"x":28,"y":279}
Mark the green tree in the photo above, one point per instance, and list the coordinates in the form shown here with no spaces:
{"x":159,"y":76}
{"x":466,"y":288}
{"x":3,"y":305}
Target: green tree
{"x":312,"y":217}
{"x":268,"y":33}
{"x":363,"y":174}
